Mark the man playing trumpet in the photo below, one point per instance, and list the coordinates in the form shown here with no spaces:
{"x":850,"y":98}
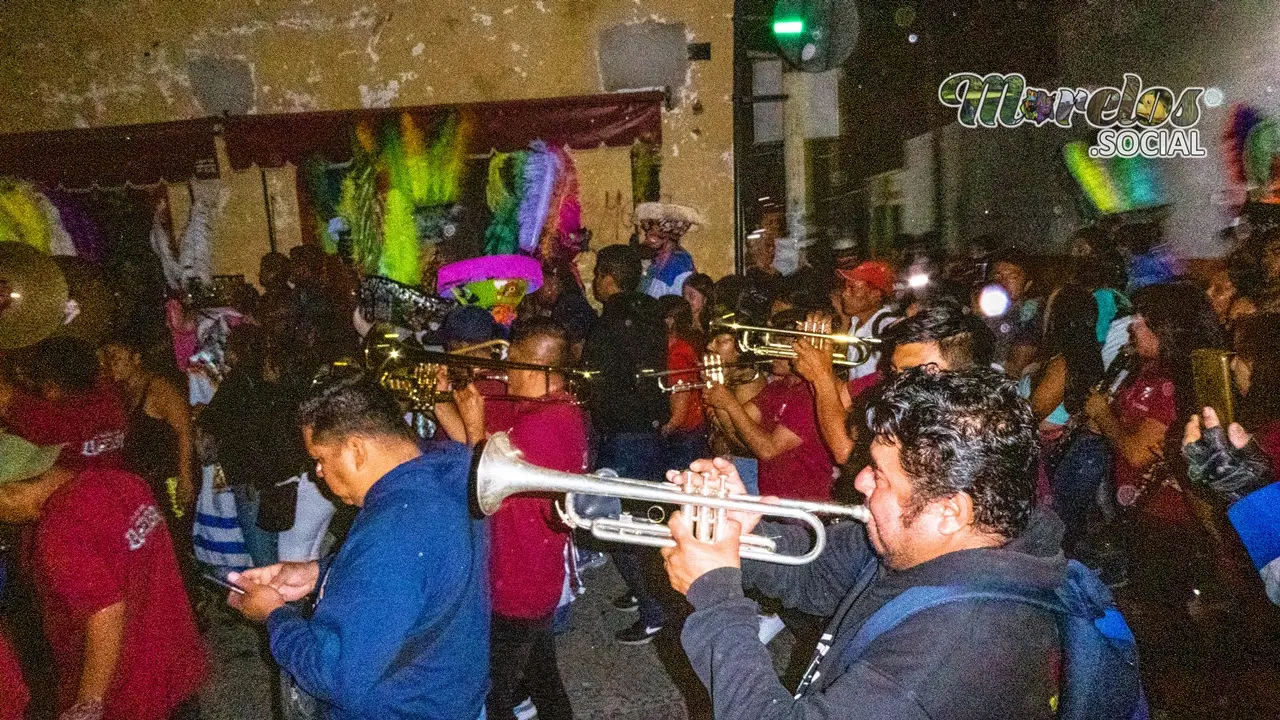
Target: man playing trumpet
{"x":950,"y":492}
{"x":779,"y":426}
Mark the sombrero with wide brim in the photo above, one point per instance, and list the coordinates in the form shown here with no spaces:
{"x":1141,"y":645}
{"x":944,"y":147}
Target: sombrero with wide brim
{"x":668,"y":212}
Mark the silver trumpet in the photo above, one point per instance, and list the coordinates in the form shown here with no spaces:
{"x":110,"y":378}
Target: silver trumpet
{"x":502,"y":471}
{"x":713,"y":371}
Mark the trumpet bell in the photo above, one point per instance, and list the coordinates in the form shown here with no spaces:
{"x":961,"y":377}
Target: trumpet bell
{"x":33,"y":296}
{"x":502,"y":471}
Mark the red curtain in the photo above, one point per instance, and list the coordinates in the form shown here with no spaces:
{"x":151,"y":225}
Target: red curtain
{"x":174,"y":151}
{"x":112,"y":156}
{"x":578,"y":122}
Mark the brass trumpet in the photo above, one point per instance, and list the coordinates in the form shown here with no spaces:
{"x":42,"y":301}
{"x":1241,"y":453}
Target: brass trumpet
{"x":775,"y":343}
{"x":502,"y":471}
{"x":412,"y":372}
{"x":713,"y":370}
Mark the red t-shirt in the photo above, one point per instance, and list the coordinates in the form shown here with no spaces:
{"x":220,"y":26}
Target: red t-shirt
{"x":682,"y":356}
{"x":91,"y":426}
{"x":13,"y":691}
{"x":805,"y":471}
{"x":1148,"y":396}
{"x":858,"y":386}
{"x":527,"y":538}
{"x":1268,"y":438}
{"x":101,"y":540}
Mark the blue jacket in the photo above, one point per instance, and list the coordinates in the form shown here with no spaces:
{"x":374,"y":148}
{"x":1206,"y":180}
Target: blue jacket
{"x":401,"y":627}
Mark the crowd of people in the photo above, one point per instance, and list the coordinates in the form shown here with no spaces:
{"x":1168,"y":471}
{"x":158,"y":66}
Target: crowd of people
{"x":996,"y":415}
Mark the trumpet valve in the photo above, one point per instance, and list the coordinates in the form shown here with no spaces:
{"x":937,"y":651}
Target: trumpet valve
{"x":687,"y":488}
{"x":721,"y":514}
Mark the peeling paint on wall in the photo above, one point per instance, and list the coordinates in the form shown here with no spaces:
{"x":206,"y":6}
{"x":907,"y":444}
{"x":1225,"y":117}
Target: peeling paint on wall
{"x":379,"y":96}
{"x":295,"y":101}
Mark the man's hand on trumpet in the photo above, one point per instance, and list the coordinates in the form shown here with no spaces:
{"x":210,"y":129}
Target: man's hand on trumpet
{"x":709,"y":473}
{"x":718,"y":396}
{"x":692,"y":558}
{"x":815,"y":361}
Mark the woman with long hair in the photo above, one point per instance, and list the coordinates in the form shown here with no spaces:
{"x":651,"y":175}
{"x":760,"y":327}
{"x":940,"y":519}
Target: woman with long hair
{"x":1234,"y":289}
{"x":1171,"y":321}
{"x":1072,"y":367}
{"x":698,"y":291}
{"x":158,"y":445}
{"x":1074,"y":356}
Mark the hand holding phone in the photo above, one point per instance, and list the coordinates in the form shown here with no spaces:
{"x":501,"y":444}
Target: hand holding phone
{"x":219,"y":581}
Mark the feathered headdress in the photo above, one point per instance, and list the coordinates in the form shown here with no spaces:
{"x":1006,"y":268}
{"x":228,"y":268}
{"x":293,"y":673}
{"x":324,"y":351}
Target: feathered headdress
{"x":506,"y":172}
{"x":541,"y":169}
{"x":1116,"y":185}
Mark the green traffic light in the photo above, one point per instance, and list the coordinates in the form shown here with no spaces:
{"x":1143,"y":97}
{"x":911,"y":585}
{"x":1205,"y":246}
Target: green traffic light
{"x":788,"y":27}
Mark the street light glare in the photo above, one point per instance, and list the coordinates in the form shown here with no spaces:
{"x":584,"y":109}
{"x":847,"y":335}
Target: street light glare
{"x":788,"y":27}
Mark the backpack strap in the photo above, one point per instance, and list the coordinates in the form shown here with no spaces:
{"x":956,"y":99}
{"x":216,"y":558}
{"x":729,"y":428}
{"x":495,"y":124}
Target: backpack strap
{"x":917,"y":599}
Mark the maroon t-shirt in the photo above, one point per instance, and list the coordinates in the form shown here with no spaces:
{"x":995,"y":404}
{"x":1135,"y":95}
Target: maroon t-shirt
{"x":1149,"y":395}
{"x":806,"y":471}
{"x":866,"y":383}
{"x":527,"y":538}
{"x":1268,"y":437}
{"x":91,"y":426}
{"x":13,"y":691}
{"x":101,"y":540}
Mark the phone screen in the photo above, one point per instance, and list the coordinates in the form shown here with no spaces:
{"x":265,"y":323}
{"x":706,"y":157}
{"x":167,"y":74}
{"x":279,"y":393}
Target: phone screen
{"x":1212,"y":372}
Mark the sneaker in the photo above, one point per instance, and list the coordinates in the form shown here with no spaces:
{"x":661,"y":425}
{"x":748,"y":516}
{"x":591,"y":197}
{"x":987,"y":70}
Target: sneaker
{"x":638,"y":634}
{"x":770,"y":626}
{"x":626,"y":603}
{"x":525,"y":710}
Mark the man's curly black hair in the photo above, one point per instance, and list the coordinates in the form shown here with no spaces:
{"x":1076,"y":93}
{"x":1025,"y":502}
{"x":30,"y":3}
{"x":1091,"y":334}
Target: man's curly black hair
{"x":966,"y":432}
{"x":344,"y":402}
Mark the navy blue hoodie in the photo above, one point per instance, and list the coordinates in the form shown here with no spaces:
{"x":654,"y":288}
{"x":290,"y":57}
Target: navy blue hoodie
{"x":401,"y":627}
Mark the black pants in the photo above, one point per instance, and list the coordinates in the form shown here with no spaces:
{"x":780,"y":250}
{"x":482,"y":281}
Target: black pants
{"x":638,"y":456}
{"x":522,"y":658}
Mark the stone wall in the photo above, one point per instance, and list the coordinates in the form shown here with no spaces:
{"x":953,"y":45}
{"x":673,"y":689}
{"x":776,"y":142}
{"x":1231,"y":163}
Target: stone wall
{"x":111,"y":62}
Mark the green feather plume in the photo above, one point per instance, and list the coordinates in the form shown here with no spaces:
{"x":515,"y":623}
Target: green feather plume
{"x":506,"y":171}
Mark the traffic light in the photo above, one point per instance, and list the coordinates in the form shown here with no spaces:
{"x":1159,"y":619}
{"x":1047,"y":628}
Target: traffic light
{"x":815,"y":35}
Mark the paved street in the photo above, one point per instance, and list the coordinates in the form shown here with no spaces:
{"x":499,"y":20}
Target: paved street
{"x":605,"y":680}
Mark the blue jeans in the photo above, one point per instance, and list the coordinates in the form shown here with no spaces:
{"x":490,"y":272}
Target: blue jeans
{"x":685,"y":446}
{"x":260,"y":543}
{"x":749,"y":471}
{"x":296,"y":703}
{"x":638,"y":456}
{"x":1085,"y":465}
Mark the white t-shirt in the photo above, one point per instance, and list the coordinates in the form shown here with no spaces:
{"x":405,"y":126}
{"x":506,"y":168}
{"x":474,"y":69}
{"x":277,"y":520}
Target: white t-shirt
{"x":872,"y":328}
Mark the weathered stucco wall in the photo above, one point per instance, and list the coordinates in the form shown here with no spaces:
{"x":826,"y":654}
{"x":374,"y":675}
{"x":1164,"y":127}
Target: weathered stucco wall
{"x":107,"y":62}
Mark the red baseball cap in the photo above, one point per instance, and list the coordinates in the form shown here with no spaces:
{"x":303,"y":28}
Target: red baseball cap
{"x":875,"y":273}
